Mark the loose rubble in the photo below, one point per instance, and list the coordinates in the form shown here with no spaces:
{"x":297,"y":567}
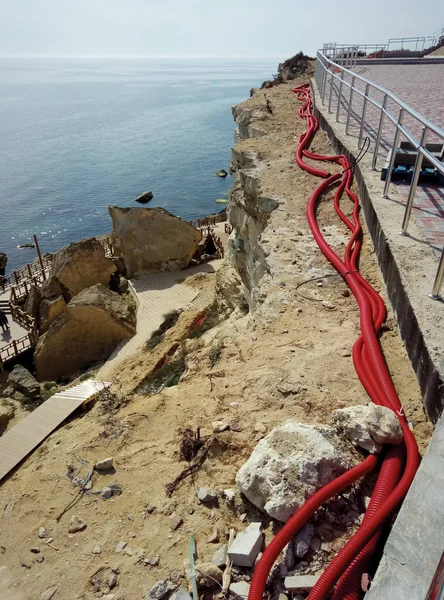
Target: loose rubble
{"x":246,"y":546}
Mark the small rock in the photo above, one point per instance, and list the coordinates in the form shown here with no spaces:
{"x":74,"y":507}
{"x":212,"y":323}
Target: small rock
{"x":369,"y":426}
{"x":120,"y":546}
{"x":42,"y":533}
{"x":106,"y":493}
{"x":49,"y":593}
{"x":112,"y":581}
{"x":76,"y":525}
{"x":129,"y":551}
{"x":260,"y":427}
{"x":345,"y":353}
{"x":230,"y":495}
{"x":208,"y":575}
{"x":214,"y":537}
{"x":181,"y":594}
{"x":176,"y":522}
{"x":346,"y":293}
{"x":300,"y":583}
{"x":236,"y":426}
{"x":40,"y":559}
{"x":152,"y":561}
{"x":289,"y":387}
{"x":50,"y":540}
{"x":220,"y":557}
{"x":328,"y":305}
{"x":288,"y":556}
{"x":104,"y":465}
{"x":108,"y":597}
{"x":240,"y":589}
{"x":243,"y":517}
{"x":144,"y":198}
{"x":315,"y":544}
{"x":150,"y":508}
{"x":302,"y":540}
{"x":159,"y":590}
{"x":206,"y":494}
{"x":219,"y":426}
{"x":97,"y":549}
{"x":35,"y":550}
{"x":246,"y":546}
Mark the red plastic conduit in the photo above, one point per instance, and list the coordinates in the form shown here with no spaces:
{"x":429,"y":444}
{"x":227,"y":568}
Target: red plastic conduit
{"x":395,"y":474}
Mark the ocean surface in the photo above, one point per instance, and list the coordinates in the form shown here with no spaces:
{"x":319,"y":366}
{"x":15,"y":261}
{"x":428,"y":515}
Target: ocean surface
{"x":78,"y":135}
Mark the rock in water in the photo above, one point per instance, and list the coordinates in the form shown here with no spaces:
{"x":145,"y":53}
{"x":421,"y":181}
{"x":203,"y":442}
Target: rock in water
{"x":22,"y":380}
{"x":289,"y":465}
{"x":369,"y":426}
{"x":152,"y":239}
{"x":144,"y":198}
{"x":81,"y":265}
{"x":221,"y":173}
{"x":94,"y":322}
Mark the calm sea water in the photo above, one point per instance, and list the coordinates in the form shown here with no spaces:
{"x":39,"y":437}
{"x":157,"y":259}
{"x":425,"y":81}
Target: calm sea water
{"x":78,"y":135}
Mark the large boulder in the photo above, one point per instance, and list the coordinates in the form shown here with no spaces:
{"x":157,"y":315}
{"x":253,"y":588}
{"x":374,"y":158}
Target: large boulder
{"x":50,"y":309}
{"x":78,"y":266}
{"x":369,"y":426}
{"x":152,"y":239}
{"x":3,"y":263}
{"x":93,"y":324}
{"x":291,"y":463}
{"x":32,"y":302}
{"x":21,"y":379}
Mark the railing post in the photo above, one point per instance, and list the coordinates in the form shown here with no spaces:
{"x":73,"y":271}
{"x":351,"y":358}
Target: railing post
{"x":364,"y":110}
{"x":331,"y":87}
{"x":378,"y":137}
{"x":393,"y":154}
{"x":16,"y":277}
{"x":14,"y":343}
{"x":439,"y":277}
{"x":350,"y":102}
{"x":29,"y":269}
{"x":414,"y":183}
{"x":339,"y":96}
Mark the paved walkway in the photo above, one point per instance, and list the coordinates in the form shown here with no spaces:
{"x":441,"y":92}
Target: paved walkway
{"x":19,"y":441}
{"x":422,"y":88}
{"x":158,"y":294}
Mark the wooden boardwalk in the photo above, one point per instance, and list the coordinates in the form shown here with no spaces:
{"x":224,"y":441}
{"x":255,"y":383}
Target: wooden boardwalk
{"x":17,"y":443}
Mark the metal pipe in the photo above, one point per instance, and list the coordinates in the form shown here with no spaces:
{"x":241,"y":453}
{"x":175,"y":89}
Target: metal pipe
{"x":331,"y":90}
{"x":350,"y":101}
{"x":339,"y":96}
{"x":378,"y":137}
{"x":439,"y":277}
{"x":393,"y":155}
{"x":364,"y":109}
{"x":413,"y":185}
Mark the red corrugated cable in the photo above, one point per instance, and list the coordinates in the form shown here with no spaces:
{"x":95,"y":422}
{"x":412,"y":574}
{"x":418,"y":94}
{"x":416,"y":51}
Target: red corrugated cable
{"x":394,"y":480}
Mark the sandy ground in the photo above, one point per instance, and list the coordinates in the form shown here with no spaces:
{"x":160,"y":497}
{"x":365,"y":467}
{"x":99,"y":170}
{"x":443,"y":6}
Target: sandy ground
{"x":290,"y":339}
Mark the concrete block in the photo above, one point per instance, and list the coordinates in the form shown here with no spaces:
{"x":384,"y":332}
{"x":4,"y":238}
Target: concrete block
{"x":240,"y":589}
{"x":300,"y":583}
{"x":246,"y":546}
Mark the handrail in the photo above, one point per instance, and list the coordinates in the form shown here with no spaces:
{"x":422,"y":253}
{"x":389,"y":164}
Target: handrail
{"x":334,"y":71}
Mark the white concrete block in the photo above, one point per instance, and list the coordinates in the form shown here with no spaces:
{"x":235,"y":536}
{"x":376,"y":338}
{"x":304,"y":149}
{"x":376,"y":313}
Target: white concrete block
{"x":240,"y":589}
{"x":300,"y":583}
{"x":246,"y":546}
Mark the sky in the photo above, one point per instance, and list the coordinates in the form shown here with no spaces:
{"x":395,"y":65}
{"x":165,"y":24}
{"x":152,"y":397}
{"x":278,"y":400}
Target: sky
{"x":205,"y":28}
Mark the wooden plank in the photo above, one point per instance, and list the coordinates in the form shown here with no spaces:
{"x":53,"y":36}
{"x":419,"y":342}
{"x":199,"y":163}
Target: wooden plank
{"x":21,"y":440}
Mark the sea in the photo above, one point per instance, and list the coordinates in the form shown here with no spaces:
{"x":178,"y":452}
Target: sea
{"x":80,"y":134}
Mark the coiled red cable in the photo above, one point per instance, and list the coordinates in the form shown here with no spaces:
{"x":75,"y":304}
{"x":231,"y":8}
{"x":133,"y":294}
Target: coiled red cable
{"x":395,"y":475}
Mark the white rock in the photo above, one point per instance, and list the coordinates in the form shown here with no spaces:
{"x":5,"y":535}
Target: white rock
{"x":240,"y":589}
{"x":49,"y":593}
{"x":42,"y":533}
{"x":206,"y":494}
{"x":328,"y":305}
{"x":104,"y":465}
{"x":220,"y":557}
{"x":246,"y":546}
{"x":219,"y":426}
{"x":369,"y":426}
{"x":97,"y":549}
{"x":300,"y":583}
{"x":230,"y":495}
{"x":120,"y":546}
{"x":289,"y":465}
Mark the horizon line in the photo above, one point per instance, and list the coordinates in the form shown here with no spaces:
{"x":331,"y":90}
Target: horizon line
{"x":144,"y":56}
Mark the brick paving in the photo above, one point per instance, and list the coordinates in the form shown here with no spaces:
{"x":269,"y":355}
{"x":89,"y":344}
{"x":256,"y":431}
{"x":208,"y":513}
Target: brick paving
{"x":422,"y":88}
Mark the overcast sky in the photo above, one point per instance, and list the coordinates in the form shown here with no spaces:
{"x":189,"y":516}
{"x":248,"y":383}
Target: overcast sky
{"x":205,"y":27}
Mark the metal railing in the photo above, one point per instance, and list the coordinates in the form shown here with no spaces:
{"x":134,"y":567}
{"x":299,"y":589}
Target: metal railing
{"x":339,"y":78}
